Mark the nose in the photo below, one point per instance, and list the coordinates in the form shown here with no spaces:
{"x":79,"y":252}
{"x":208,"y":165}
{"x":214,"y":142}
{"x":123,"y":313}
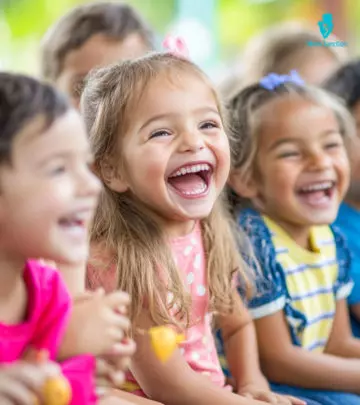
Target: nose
{"x":192,"y":141}
{"x":319,"y":160}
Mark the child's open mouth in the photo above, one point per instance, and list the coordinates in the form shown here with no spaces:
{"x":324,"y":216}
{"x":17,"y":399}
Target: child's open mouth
{"x":75,"y":225}
{"x":191,"y":181}
{"x":317,"y":194}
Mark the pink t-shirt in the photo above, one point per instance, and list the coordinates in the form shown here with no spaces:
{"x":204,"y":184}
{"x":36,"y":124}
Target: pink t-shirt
{"x":198,"y":348}
{"x":49,"y":308}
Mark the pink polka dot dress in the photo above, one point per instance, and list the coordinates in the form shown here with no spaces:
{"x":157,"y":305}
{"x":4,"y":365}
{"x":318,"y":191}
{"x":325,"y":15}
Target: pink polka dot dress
{"x":198,"y":348}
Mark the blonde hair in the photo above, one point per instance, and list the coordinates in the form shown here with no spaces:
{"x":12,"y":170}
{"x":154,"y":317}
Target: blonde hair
{"x":245,"y":121}
{"x":282,"y":48}
{"x":125,"y":226}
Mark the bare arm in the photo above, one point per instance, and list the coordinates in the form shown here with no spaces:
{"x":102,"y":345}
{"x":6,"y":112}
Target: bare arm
{"x":285,"y":363}
{"x":241,"y":350}
{"x":175,"y":383}
{"x":117,"y":397}
{"x":341,"y":342}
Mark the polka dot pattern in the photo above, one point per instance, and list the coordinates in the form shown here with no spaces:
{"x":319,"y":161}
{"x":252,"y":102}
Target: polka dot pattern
{"x":199,"y":349}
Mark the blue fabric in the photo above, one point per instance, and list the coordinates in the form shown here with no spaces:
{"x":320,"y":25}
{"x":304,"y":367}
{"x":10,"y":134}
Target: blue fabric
{"x":317,"y":397}
{"x":270,"y":276}
{"x":348,"y":221}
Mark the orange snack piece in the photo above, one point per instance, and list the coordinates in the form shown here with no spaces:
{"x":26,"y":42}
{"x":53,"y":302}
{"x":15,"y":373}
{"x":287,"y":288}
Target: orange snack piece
{"x":57,"y":391}
{"x":164,"y":341}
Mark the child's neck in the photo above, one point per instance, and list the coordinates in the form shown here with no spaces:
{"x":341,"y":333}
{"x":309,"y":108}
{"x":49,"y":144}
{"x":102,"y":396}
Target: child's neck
{"x":175,"y":229}
{"x":13,"y":296}
{"x":300,"y":235}
{"x":74,"y":276}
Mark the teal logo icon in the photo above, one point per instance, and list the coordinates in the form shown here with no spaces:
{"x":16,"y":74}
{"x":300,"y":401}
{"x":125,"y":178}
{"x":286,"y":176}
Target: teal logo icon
{"x":326,"y":25}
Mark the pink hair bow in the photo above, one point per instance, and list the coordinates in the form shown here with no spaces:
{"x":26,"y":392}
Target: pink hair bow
{"x":176,"y":46}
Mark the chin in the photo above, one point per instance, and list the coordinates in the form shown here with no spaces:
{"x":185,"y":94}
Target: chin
{"x":325,"y":219}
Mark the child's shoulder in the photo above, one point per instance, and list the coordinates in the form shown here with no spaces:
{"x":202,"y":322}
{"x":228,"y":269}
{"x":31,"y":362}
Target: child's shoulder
{"x":42,"y":275}
{"x":253,"y":224}
{"x":46,"y":288}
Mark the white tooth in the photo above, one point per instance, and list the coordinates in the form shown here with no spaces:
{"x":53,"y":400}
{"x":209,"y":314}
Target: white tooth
{"x":183,"y":170}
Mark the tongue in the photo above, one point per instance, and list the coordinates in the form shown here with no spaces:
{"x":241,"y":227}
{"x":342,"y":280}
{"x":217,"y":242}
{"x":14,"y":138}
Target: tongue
{"x":187,"y":182}
{"x":314,"y":197}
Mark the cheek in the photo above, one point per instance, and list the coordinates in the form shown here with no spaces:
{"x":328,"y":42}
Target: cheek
{"x":275,"y":176}
{"x":221,"y":149}
{"x":145,"y":170}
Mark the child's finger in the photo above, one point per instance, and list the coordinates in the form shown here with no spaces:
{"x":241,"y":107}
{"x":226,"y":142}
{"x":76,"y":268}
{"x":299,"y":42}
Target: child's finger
{"x":283,"y":400}
{"x":103,"y":368}
{"x":101,"y":391}
{"x":16,"y":392}
{"x":118,"y":378}
{"x":116,"y":299}
{"x":120,"y":321}
{"x":296,"y":401}
{"x":124,"y":349}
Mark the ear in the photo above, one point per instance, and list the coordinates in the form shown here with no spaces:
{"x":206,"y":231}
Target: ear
{"x":111,"y":177}
{"x":244,"y":186}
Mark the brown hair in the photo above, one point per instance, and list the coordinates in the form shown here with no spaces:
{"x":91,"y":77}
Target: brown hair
{"x":124,"y":225}
{"x":22,"y":99}
{"x":245,"y":121}
{"x":114,"y":20}
{"x":281,"y":48}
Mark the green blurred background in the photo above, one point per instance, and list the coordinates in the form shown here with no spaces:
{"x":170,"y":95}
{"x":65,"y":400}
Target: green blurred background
{"x":216,"y":30}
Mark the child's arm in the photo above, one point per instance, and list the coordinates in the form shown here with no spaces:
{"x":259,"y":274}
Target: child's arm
{"x":282,"y":362}
{"x":117,"y":397}
{"x":240,"y":344}
{"x":175,"y":383}
{"x":103,"y":325}
{"x":342,"y":343}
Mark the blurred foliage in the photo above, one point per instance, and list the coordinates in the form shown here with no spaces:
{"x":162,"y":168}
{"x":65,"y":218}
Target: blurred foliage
{"x":23,"y":22}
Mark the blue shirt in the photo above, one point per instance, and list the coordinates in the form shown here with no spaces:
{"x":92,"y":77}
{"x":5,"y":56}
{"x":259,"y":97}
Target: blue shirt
{"x":348,"y":221}
{"x":272,"y":292}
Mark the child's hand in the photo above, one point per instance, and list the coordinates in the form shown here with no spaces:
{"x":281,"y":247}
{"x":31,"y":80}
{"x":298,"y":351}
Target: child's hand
{"x":97,"y":326}
{"x":269,"y":397}
{"x":21,"y":382}
{"x":110,"y":370}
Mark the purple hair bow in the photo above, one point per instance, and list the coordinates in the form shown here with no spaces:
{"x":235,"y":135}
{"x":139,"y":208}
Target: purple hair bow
{"x":273,"y":80}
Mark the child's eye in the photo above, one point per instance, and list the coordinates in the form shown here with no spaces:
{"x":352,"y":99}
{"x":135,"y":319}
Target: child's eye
{"x":332,"y":145}
{"x":209,"y":125}
{"x":160,"y":133}
{"x":289,"y":154}
{"x":57,"y":170}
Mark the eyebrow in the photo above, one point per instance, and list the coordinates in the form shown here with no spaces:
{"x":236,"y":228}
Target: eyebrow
{"x":296,"y":140}
{"x":169,"y":115}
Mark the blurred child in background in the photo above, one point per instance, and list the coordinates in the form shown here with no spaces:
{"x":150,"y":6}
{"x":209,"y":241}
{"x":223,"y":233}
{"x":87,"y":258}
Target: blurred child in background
{"x":47,"y":200}
{"x":282,"y":48}
{"x":345,"y":83}
{"x":290,"y":172}
{"x":89,"y":36}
